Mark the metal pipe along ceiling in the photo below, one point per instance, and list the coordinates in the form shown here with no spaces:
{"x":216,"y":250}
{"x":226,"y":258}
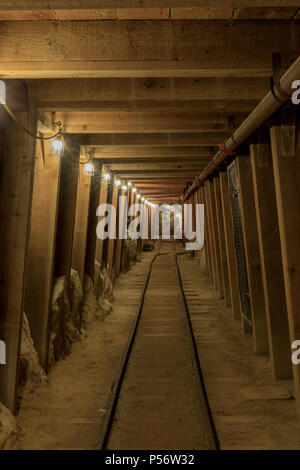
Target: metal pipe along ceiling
{"x":263,"y":111}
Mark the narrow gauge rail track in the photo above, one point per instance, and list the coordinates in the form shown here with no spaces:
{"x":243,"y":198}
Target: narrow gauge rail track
{"x":159,"y":400}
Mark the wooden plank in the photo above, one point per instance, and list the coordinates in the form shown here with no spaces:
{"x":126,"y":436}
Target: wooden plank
{"x":113,"y":152}
{"x":39,"y":276}
{"x":154,"y":140}
{"x":17,"y":166}
{"x":116,"y":92}
{"x":216,"y":239}
{"x":112,"y":242}
{"x":252,"y":254}
{"x":222,"y":244}
{"x":102,"y":122}
{"x":91,"y":242}
{"x":11,"y":5}
{"x":207,"y":247}
{"x":81,"y":223}
{"x":211,"y":235}
{"x":103,"y":199}
{"x":121,"y":214}
{"x":230,"y":246}
{"x":144,"y":48}
{"x":201,"y":13}
{"x":271,"y":259}
{"x":287,"y":186}
{"x":263,"y":13}
{"x":67,"y":208}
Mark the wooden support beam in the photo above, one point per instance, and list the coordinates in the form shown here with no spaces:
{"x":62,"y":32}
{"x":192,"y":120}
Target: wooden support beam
{"x":81,"y":223}
{"x":216,"y":240}
{"x":100,"y":244}
{"x":286,"y":164}
{"x":211,"y":235}
{"x":90,"y":252}
{"x":121,"y":214}
{"x":207,"y":246}
{"x":17,"y":166}
{"x":144,"y":48}
{"x":222,"y":244}
{"x":102,"y":122}
{"x":125,"y":152}
{"x":252,"y":254}
{"x":230,"y":246}
{"x":46,"y":5}
{"x":271,"y":259}
{"x":121,"y":94}
{"x":39,"y":276}
{"x":67,"y":208}
{"x":155,"y":140}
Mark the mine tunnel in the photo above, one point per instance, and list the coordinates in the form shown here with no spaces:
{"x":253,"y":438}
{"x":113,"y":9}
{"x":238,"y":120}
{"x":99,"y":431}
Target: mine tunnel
{"x":150,"y":225}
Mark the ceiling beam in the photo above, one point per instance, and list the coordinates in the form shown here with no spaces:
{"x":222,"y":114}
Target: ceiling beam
{"x":150,"y":166}
{"x":12,"y":5}
{"x":141,"y":122}
{"x":121,"y":152}
{"x":230,"y":94}
{"x":205,"y":139}
{"x":145,"y":48}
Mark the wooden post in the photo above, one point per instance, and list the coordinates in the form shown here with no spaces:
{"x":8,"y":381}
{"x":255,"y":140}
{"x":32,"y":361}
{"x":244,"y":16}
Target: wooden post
{"x":81,"y":223}
{"x":210,"y":234}
{"x":91,"y":236}
{"x":270,"y":253}
{"x":67,"y":207}
{"x":207,"y":246}
{"x":39,"y":276}
{"x":230,"y":246}
{"x":16,"y":176}
{"x":252,"y":254}
{"x":111,"y":241}
{"x":216,"y":238}
{"x":104,"y":189}
{"x":286,"y":163}
{"x":222,"y":244}
{"x":121,"y":213}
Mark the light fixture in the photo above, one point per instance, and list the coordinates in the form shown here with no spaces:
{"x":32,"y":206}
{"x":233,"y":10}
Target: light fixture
{"x":138,"y":196}
{"x":134,"y":190}
{"x":106,"y":177}
{"x":89,"y":169}
{"x":57,"y":144}
{"x":118,"y":183}
{"x":124,"y":187}
{"x":129,"y":184}
{"x":2,"y":92}
{"x":143,"y":199}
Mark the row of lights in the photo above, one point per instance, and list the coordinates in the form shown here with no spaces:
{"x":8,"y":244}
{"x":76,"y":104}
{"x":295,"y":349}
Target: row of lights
{"x":58,"y":147}
{"x":118,"y":183}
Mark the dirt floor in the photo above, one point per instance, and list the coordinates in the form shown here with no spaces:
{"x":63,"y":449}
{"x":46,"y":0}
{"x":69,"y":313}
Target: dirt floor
{"x":251,"y":410}
{"x":161,"y":404}
{"x":67,"y":413}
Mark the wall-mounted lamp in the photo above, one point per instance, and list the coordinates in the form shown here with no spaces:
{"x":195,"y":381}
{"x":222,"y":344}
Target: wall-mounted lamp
{"x":118,"y":183}
{"x":89,"y":169}
{"x":106,"y":177}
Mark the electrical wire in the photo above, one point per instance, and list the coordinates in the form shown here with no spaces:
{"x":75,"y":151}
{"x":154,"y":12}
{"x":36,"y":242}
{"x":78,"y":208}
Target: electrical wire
{"x":13,"y":116}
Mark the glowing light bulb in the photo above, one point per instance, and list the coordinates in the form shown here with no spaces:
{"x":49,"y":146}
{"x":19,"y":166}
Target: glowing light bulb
{"x":118,"y":183}
{"x":124,"y":187}
{"x":129,"y":184}
{"x":2,"y":92}
{"x":134,"y":190}
{"x":143,"y":198}
{"x":106,"y":177}
{"x":57,"y":147}
{"x":89,"y":169}
{"x":138,"y":196}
